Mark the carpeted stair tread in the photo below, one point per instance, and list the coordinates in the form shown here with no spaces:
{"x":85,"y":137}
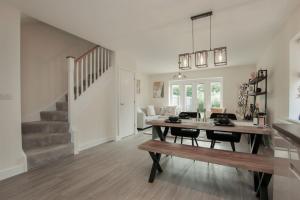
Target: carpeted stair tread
{"x":45,"y":127}
{"x":54,"y":116}
{"x":34,"y":140}
{"x":61,"y":106}
{"x":41,"y":156}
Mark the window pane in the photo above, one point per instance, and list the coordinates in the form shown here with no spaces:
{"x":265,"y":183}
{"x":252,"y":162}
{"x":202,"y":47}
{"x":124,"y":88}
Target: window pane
{"x":188,"y":98}
{"x":215,"y":94}
{"x":200,"y":97}
{"x":175,"y":95}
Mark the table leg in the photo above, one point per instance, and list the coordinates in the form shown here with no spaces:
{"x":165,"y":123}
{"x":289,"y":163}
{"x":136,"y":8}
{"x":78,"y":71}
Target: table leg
{"x":157,"y":132}
{"x":166,"y":132}
{"x":256,"y":141}
{"x":155,"y":166}
{"x":262,"y":190}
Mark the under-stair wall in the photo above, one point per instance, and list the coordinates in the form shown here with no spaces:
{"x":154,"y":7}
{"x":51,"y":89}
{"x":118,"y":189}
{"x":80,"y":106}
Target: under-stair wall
{"x":91,"y":97}
{"x":44,"y":74}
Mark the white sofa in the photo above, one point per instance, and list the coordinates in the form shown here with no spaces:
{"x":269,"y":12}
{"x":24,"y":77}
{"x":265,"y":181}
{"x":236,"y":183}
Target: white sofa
{"x":143,"y":115}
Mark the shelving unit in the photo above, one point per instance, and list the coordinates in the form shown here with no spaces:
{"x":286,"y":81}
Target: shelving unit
{"x":262,"y":76}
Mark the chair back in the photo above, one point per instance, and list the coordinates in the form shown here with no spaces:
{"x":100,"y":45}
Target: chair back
{"x":189,"y":115}
{"x":223,"y":115}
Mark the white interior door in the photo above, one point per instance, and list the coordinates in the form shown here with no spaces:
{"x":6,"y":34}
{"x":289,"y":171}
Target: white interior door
{"x":126,"y":108}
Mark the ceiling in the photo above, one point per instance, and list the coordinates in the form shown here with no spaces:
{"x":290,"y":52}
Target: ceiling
{"x":154,"y":32}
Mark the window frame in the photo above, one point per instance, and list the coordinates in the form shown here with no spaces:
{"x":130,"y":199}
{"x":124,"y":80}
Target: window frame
{"x":194,"y":82}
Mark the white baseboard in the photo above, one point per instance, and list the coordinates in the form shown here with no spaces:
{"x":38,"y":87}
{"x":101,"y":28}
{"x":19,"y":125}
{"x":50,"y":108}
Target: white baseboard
{"x":94,"y":143}
{"x":12,"y":171}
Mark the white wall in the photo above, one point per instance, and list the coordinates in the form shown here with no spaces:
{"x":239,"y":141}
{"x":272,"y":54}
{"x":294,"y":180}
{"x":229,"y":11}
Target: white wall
{"x":294,"y":99}
{"x":12,"y":157}
{"x":232,"y":78}
{"x":93,"y":117}
{"x":276,"y":59}
{"x":43,"y":65}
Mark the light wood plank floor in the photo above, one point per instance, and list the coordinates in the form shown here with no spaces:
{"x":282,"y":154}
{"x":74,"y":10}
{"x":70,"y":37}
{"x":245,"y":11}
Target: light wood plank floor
{"x":118,"y":170}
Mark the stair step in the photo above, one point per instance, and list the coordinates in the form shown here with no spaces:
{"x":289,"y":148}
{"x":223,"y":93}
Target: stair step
{"x":35,"y":140}
{"x":62,"y":106}
{"x":45,"y":127}
{"x":43,"y":156}
{"x":54,"y":116}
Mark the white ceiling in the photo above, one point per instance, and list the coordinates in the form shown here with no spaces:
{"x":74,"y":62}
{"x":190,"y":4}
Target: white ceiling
{"x":154,"y":32}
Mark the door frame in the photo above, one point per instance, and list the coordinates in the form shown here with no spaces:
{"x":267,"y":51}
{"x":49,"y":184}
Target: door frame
{"x":194,"y":82}
{"x":118,"y":136}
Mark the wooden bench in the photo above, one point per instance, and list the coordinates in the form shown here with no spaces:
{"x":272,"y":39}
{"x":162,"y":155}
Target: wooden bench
{"x":261,"y":166}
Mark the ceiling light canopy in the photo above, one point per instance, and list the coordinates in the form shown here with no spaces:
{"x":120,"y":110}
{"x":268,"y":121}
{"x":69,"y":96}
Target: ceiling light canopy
{"x":201,"y":57}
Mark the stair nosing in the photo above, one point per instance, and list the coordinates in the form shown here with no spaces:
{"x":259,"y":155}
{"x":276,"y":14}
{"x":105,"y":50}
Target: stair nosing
{"x":45,"y":149}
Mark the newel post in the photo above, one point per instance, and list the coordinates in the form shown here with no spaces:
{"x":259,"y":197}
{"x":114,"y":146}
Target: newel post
{"x":71,"y":98}
{"x":71,"y":68}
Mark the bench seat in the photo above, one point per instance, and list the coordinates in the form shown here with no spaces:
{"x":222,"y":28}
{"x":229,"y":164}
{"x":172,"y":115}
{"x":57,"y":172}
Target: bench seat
{"x":246,"y":161}
{"x":262,"y":166}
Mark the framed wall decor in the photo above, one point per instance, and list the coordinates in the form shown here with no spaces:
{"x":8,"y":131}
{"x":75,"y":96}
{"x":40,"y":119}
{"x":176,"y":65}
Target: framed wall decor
{"x":138,"y":86}
{"x":158,"y":89}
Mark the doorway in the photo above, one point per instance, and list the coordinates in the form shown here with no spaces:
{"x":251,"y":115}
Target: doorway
{"x":126,"y":103}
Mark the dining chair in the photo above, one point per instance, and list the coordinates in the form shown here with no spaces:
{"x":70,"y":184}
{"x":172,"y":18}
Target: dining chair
{"x":193,"y":134}
{"x":223,"y":136}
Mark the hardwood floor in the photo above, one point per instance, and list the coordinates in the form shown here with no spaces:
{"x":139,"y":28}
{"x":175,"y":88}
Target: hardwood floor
{"x":118,"y":170}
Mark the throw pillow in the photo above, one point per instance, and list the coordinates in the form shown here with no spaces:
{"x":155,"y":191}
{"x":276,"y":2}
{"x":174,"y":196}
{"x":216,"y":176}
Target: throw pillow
{"x":150,"y":110}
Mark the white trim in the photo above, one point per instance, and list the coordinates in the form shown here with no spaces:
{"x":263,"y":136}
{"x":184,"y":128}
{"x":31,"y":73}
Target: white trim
{"x":13,"y":171}
{"x":194,"y":82}
{"x":94,"y":143}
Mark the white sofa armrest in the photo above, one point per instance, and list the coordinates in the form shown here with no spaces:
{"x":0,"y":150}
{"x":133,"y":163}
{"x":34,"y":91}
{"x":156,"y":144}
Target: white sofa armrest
{"x":141,"y":118}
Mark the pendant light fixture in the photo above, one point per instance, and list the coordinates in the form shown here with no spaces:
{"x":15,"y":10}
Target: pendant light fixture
{"x":201,"y":57}
{"x":179,"y":76}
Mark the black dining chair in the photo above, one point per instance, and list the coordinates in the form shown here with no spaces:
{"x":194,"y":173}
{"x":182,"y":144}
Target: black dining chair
{"x":223,"y":136}
{"x":186,"y":133}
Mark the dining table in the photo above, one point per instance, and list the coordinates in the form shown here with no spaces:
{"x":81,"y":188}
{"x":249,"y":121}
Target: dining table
{"x":243,"y":127}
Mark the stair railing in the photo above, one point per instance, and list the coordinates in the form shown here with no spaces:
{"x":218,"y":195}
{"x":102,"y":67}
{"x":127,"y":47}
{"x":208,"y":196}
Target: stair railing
{"x":84,"y":71}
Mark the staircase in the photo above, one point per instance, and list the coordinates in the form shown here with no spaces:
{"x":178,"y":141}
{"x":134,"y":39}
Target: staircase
{"x":47,"y":140}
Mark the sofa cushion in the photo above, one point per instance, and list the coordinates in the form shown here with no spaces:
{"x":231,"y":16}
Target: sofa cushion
{"x":139,"y":110}
{"x":168,"y":110}
{"x":150,"y":110}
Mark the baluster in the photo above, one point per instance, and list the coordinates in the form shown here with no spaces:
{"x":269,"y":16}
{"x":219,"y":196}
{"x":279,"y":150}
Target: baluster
{"x":90,"y":78}
{"x":94,"y":65}
{"x":86,"y":72}
{"x":100,"y":61}
{"x":81,"y":74}
{"x":107,"y":61}
{"x":103,"y":60}
{"x":109,"y":56}
{"x":77,"y":79}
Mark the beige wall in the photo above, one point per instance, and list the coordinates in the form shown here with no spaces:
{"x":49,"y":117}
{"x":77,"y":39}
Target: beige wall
{"x":12,"y":158}
{"x":43,"y":65}
{"x":232,"y":78}
{"x":143,"y":99}
{"x":276,"y":59}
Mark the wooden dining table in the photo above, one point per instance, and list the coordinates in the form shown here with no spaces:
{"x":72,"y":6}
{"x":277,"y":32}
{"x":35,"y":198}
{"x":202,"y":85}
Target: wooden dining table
{"x":256,"y":133}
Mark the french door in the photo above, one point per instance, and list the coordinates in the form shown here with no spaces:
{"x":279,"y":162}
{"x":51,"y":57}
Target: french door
{"x":189,"y":95}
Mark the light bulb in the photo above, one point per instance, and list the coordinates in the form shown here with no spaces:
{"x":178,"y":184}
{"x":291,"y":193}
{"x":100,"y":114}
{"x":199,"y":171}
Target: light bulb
{"x":184,"y":62}
{"x":201,"y":60}
{"x":220,"y":57}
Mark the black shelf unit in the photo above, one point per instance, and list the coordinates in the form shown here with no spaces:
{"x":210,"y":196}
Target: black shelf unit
{"x":262,"y":76}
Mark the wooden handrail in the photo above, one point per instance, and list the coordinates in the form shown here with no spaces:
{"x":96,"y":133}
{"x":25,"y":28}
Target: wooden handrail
{"x":89,"y":51}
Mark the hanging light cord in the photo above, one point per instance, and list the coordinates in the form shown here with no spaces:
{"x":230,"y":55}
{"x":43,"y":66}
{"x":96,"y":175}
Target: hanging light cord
{"x":210,"y":33}
{"x":193,"y":42}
